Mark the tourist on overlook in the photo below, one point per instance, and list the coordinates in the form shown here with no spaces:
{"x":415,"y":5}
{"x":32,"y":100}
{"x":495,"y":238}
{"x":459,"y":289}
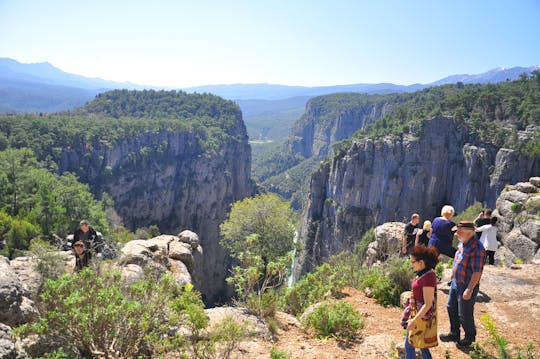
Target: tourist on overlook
{"x":409,"y":234}
{"x":82,"y":255}
{"x":483,"y":218}
{"x":423,"y":235}
{"x":423,"y":298}
{"x":466,"y":274}
{"x":88,"y":236}
{"x":442,"y":234}
{"x":488,"y":239}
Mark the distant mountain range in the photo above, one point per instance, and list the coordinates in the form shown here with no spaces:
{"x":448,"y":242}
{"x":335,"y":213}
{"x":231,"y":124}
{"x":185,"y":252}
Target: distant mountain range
{"x":42,"y":87}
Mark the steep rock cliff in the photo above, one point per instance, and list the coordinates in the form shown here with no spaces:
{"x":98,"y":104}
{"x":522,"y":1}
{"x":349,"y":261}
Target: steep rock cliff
{"x":332,"y":118}
{"x":168,"y":179}
{"x":375,"y":181}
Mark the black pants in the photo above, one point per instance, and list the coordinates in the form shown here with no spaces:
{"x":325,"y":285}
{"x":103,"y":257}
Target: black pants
{"x":490,"y":257}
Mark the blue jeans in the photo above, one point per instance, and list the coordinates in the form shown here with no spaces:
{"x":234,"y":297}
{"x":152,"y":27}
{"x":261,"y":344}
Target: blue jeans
{"x":461,"y":311}
{"x":410,"y":351}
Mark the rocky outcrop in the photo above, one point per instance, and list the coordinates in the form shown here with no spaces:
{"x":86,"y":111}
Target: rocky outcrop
{"x":8,"y":348}
{"x":15,"y":308}
{"x":387,"y":243}
{"x":181,"y":256}
{"x":174,"y":179}
{"x":518,"y":210}
{"x":374,"y":181}
{"x":332,"y":118}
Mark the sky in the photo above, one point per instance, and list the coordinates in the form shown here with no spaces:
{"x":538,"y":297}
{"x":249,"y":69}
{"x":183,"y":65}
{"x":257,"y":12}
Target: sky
{"x":180,"y":43}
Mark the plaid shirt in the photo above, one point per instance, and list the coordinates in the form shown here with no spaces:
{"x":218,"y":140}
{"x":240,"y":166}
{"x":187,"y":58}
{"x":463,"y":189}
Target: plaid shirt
{"x":469,"y":259}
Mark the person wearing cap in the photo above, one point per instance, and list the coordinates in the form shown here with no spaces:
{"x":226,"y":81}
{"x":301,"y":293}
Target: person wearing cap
{"x":88,"y":236}
{"x":466,"y":274}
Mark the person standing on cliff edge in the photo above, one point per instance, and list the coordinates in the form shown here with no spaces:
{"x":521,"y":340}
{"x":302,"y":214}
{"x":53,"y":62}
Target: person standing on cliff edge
{"x":466,"y":274}
{"x":442,"y":232}
{"x":409,"y":234}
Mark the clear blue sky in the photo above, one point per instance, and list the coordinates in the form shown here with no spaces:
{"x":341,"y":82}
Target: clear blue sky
{"x":294,"y":42}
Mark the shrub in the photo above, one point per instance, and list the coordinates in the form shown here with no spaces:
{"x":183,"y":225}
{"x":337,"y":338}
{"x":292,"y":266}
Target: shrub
{"x":516,"y":207}
{"x":469,"y":214}
{"x":50,"y":263}
{"x":102,"y":316}
{"x":312,"y":288}
{"x":389,"y":280}
{"x":276,"y":353}
{"x":336,"y":319}
{"x":500,"y":345}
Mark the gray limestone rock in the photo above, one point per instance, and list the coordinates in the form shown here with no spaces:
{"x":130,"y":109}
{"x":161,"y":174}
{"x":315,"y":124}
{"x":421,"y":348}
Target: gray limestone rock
{"x":520,"y":245}
{"x":137,"y":252}
{"x":11,"y":294}
{"x":8,"y":348}
{"x":524,"y":187}
{"x":189,"y":237}
{"x":31,"y":280}
{"x":180,"y":272}
{"x":535,"y":181}
{"x":505,"y":257}
{"x":374,"y":181}
{"x":181,"y":251}
{"x":132,"y":273}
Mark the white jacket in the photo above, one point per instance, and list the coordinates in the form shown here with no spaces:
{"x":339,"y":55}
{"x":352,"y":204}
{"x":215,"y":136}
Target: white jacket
{"x":488,"y":237}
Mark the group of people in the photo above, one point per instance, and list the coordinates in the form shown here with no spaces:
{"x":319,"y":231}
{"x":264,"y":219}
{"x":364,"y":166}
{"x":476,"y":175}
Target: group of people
{"x":85,"y":242}
{"x":477,"y":243}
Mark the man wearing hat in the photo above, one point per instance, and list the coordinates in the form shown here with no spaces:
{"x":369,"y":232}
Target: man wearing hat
{"x":466,"y":273}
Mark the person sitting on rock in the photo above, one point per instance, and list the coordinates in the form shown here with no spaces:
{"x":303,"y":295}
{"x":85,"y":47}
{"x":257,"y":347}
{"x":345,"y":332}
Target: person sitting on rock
{"x":88,"y":236}
{"x":442,"y":234}
{"x":82,"y":255}
{"x":488,"y":239}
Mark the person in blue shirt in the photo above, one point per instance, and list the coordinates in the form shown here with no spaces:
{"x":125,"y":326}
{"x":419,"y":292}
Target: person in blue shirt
{"x":442,"y":233}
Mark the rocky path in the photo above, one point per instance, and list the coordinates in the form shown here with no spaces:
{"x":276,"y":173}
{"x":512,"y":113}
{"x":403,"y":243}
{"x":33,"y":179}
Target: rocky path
{"x":511,"y":297}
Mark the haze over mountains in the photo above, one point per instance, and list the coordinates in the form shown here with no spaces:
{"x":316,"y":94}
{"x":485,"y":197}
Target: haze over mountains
{"x":43,"y":78}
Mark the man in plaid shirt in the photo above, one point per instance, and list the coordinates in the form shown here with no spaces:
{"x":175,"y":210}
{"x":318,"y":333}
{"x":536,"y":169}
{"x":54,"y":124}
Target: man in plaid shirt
{"x":466,"y":273}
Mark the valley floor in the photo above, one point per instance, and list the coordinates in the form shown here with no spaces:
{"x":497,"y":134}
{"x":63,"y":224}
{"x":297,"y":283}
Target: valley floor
{"x":511,"y":297}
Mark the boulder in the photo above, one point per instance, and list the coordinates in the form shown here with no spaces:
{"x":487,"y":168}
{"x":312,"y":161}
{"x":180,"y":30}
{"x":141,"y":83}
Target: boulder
{"x":137,"y":252}
{"x":189,"y":237}
{"x":535,"y":181}
{"x":31,"y":280}
{"x":505,"y":257}
{"x":256,"y":326}
{"x":536,"y":258}
{"x":520,"y":245}
{"x":162,"y":242}
{"x":530,"y":227}
{"x":132,"y":273}
{"x":180,"y":272}
{"x":8,"y":348}
{"x":524,"y":187}
{"x":181,"y":251}
{"x":11,"y":294}
{"x":388,"y":241}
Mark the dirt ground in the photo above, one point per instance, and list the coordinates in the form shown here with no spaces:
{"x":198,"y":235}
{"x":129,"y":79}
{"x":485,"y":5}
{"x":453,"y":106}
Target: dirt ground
{"x":510,"y":296}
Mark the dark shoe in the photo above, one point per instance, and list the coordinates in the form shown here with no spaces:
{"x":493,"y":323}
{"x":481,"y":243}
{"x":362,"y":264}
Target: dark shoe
{"x":464,"y":343}
{"x":449,"y":337}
